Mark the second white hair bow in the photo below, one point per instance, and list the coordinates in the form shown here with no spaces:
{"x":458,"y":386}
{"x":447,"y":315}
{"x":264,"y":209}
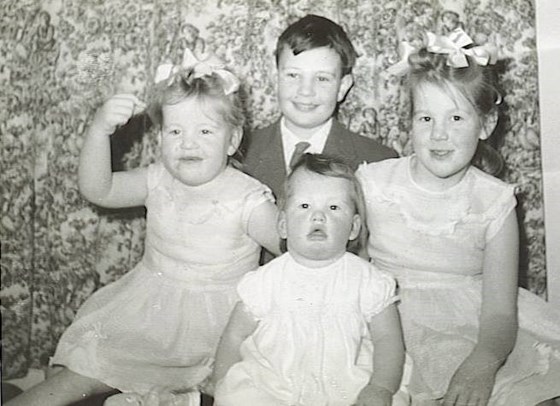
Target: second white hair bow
{"x":452,"y":45}
{"x":205,"y":67}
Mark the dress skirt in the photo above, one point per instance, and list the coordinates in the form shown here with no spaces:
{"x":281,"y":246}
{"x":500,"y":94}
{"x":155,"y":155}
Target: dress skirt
{"x":439,"y":337}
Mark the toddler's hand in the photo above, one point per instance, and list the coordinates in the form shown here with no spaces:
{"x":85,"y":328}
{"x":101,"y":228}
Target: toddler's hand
{"x":116,"y":111}
{"x":154,"y":399}
{"x":374,"y":395}
{"x":208,"y":387}
{"x":472,"y":383}
{"x":124,"y":399}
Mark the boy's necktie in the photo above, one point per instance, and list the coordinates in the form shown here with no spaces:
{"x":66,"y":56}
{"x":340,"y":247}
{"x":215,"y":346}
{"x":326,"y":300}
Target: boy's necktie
{"x":298,"y":152}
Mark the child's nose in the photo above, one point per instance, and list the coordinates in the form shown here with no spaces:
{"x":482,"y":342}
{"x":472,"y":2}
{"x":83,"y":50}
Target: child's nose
{"x":318,"y":216}
{"x":439,"y":132}
{"x":188,"y":141}
{"x":306,"y":87}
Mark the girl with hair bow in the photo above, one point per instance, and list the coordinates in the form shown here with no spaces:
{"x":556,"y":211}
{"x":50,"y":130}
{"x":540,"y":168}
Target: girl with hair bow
{"x":153,"y":333}
{"x":446,"y":229}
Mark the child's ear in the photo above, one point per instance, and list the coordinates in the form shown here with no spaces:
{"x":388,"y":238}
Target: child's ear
{"x":236,"y":135}
{"x":345,"y":84}
{"x":281,"y":225}
{"x":356,"y":226}
{"x":489,"y":125}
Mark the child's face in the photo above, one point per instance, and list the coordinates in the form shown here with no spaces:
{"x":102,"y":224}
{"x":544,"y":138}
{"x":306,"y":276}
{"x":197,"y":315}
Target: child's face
{"x":319,"y":218}
{"x":309,"y":87}
{"x":445,"y":133}
{"x":196,"y":141}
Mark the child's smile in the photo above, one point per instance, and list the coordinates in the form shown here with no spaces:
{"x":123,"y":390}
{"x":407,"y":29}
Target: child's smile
{"x":440,"y":153}
{"x":305,"y":107}
{"x":190,"y":159}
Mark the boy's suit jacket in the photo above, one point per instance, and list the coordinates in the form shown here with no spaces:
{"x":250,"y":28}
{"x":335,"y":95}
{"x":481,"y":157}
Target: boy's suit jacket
{"x":264,"y":153}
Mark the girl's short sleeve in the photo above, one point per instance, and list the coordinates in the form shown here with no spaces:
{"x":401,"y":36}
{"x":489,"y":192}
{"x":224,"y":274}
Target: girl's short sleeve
{"x":254,"y":198}
{"x":156,"y":173}
{"x":500,"y":210}
{"x":377,"y":291}
{"x":255,"y":291}
{"x":363,"y":177}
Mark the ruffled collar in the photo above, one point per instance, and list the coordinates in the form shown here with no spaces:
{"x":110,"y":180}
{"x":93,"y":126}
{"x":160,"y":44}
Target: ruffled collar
{"x":432,"y":212}
{"x":197,"y":205}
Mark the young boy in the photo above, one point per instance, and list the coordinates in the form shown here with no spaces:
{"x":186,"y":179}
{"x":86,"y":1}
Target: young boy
{"x":303,"y":330}
{"x":314,"y":58}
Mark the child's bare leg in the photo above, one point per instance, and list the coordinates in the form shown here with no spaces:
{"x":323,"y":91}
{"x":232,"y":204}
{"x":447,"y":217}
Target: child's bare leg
{"x":61,"y":389}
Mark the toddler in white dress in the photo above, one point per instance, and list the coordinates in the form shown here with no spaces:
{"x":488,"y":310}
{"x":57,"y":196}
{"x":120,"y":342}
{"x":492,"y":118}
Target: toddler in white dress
{"x":317,"y":325}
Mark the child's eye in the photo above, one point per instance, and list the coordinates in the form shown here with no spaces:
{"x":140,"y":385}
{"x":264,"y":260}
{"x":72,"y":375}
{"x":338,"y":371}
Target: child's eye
{"x":456,"y":118}
{"x":205,"y":131}
{"x":304,"y":205}
{"x":323,"y":79}
{"x":425,"y":119}
{"x":334,"y":207}
{"x":291,"y":75}
{"x":175,"y":131}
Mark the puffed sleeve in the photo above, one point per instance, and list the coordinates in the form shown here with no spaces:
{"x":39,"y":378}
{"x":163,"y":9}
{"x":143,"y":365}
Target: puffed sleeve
{"x":377,"y":291}
{"x":156,"y":172}
{"x":363,"y":176}
{"x":255,"y":291}
{"x":254,"y":198}
{"x":500,"y":210}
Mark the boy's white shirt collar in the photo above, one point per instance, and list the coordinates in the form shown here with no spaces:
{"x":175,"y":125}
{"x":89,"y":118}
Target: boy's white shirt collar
{"x":317,"y":140}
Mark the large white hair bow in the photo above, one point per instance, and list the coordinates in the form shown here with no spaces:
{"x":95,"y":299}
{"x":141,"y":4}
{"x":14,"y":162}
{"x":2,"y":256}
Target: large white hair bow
{"x":205,"y":67}
{"x":453,"y":45}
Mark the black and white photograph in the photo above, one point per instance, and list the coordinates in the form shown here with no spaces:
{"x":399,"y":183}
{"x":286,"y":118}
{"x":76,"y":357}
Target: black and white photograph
{"x":280,"y":202}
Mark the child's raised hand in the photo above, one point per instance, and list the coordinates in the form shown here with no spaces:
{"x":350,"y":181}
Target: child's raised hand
{"x":116,"y":111}
{"x":374,"y":395}
{"x":472,"y":383}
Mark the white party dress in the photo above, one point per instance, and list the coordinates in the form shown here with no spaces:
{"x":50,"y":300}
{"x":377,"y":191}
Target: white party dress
{"x":157,"y":327}
{"x":307,"y":348}
{"x":433,"y":243}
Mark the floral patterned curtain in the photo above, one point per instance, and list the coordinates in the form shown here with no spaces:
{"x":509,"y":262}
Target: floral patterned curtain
{"x":61,"y":58}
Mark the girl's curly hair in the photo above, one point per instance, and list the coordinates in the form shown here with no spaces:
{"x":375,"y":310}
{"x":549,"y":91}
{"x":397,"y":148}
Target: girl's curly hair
{"x":207,"y":89}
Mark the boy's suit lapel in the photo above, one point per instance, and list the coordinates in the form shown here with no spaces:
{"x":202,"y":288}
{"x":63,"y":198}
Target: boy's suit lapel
{"x":271,"y":160}
{"x":277,"y":152}
{"x":337,"y":144}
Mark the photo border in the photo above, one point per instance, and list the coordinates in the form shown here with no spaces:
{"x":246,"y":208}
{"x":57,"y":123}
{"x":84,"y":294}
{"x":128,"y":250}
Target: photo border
{"x":548,"y":50}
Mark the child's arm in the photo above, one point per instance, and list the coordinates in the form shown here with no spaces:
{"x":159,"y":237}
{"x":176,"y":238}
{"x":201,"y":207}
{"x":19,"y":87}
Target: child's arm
{"x":262,"y":227}
{"x":96,"y":179}
{"x":474,"y":379}
{"x":240,"y":326}
{"x":388,"y":359}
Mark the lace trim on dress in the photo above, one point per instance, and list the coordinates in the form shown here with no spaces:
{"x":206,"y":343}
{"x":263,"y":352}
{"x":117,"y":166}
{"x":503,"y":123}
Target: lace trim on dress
{"x":431,"y":223}
{"x":420,"y":214}
{"x":417,"y":208}
{"x":193,"y":213}
{"x":194,"y":207}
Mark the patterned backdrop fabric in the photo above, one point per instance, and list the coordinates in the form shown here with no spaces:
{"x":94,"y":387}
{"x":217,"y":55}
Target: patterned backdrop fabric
{"x":61,"y":58}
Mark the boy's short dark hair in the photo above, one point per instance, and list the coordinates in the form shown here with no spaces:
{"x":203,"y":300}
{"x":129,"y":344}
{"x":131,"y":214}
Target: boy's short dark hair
{"x":333,"y":167}
{"x":313,"y":31}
